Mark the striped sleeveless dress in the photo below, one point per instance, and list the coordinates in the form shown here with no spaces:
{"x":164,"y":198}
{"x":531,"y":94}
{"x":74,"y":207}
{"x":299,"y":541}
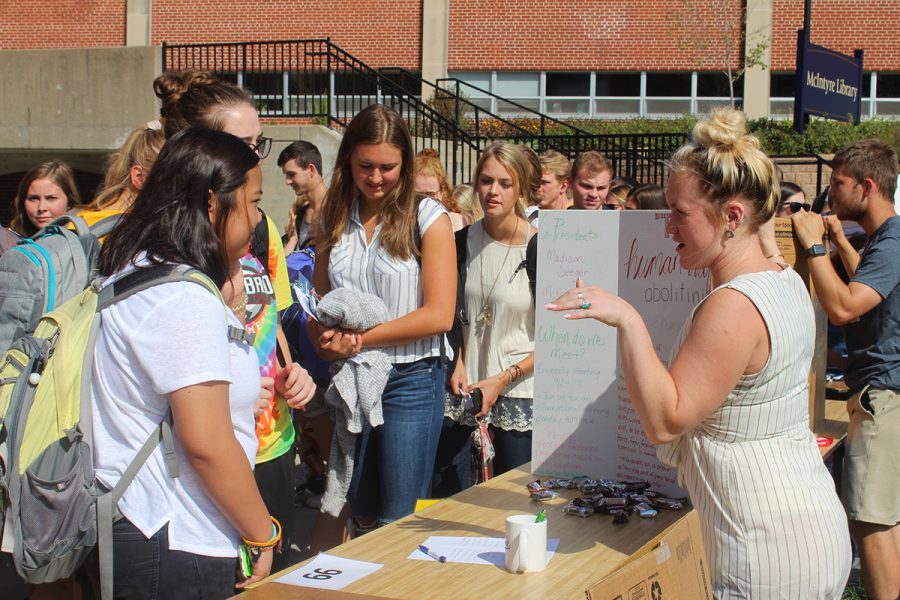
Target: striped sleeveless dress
{"x":772,"y":523}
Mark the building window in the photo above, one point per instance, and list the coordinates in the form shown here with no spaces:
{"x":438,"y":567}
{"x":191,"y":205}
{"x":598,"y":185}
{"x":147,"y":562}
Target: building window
{"x":713,"y":90}
{"x":567,"y":93}
{"x":887,"y":94}
{"x":522,"y":88}
{"x":618,"y":95}
{"x":599,"y":95}
{"x":668,"y":94}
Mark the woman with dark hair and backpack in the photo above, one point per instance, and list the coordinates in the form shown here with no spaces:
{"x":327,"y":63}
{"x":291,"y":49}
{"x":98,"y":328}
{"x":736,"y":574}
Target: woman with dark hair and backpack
{"x":168,"y":348}
{"x":258,"y":291}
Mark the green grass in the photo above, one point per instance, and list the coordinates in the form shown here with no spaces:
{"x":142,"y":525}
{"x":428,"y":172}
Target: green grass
{"x":854,"y":591}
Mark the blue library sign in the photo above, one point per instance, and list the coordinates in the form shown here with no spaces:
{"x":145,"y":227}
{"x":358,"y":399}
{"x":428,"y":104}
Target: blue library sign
{"x":827,"y":84}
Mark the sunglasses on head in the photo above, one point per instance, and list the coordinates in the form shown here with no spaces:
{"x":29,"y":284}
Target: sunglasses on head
{"x":797,"y":206}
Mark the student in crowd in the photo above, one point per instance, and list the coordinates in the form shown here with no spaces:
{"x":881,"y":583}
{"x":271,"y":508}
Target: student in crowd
{"x":46,"y":192}
{"x":167,"y":348}
{"x":464,"y":197}
{"x":376,"y":238}
{"x":647,"y":197}
{"x":259,"y":290}
{"x":863,"y":182}
{"x":497,"y":354}
{"x":591,"y":176}
{"x":126,"y":171}
{"x":431,"y":181}
{"x":792,"y":199}
{"x":731,"y":409}
{"x":554,"y":190}
{"x":619,"y":188}
{"x":301,"y":163}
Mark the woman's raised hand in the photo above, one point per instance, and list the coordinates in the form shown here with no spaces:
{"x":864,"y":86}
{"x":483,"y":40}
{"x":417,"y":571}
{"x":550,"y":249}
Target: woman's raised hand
{"x":591,"y":302}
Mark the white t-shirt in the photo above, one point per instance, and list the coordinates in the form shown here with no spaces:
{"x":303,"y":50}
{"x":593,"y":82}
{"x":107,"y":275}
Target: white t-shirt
{"x":370,"y":268}
{"x":151,"y":344}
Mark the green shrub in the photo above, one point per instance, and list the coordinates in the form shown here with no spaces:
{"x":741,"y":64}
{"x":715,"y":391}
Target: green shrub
{"x":777,"y":137}
{"x":821,"y":136}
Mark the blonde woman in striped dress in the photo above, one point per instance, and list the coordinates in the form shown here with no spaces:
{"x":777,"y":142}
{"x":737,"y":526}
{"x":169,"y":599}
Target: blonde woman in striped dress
{"x":731,"y":409}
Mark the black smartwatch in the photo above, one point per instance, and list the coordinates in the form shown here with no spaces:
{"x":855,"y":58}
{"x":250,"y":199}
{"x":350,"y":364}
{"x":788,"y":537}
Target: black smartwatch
{"x":816,"y":250}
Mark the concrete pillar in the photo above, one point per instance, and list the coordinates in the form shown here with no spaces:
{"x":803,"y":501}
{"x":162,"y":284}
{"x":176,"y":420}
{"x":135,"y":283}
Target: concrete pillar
{"x":435,"y":38}
{"x":758,"y":44}
{"x":137,"y":23}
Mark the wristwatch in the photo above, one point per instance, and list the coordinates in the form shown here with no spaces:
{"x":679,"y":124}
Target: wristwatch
{"x":816,"y":250}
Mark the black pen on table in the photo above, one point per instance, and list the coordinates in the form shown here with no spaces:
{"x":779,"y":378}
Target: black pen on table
{"x":438,"y":557}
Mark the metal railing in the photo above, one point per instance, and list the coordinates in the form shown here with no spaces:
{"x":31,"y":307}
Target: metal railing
{"x":317,"y":80}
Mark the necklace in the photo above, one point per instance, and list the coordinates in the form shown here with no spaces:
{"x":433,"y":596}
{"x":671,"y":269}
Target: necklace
{"x":240,"y":306}
{"x":486,"y":316}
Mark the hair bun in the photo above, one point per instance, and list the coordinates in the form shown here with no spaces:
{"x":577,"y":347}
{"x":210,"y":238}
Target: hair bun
{"x":726,"y":126}
{"x":170,"y":87}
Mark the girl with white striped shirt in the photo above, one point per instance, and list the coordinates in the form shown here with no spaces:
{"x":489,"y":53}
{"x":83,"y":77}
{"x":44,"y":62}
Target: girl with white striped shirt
{"x":731,"y":410}
{"x":376,"y":237}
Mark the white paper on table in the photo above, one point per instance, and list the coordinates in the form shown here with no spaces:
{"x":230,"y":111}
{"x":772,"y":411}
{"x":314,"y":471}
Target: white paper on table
{"x":329,"y":572}
{"x":472,"y":550}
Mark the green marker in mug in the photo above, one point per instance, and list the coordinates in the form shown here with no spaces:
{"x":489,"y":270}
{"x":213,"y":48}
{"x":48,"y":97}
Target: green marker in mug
{"x":541,"y":516}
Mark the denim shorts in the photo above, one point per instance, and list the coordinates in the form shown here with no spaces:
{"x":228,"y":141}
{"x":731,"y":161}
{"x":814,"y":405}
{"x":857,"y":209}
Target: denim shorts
{"x":394,"y":461}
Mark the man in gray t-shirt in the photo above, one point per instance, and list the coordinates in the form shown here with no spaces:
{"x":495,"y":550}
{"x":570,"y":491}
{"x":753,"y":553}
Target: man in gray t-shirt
{"x":863,"y":181}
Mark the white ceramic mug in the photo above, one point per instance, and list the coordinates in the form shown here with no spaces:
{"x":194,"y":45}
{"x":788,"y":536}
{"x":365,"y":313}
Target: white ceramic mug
{"x":526,"y":544}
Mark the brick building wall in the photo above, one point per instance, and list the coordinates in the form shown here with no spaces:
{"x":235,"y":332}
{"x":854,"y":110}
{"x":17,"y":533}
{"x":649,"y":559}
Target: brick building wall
{"x":35,"y":24}
{"x":378,"y":33}
{"x":841,"y":25}
{"x":591,"y":34}
{"x":484,"y":34}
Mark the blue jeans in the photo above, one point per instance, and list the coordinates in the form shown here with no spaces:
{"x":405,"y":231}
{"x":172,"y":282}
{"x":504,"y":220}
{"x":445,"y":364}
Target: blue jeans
{"x":145,"y":569}
{"x":394,"y":461}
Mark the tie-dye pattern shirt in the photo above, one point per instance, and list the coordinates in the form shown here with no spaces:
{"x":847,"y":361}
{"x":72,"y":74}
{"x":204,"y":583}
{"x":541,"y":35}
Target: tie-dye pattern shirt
{"x":274,"y":428}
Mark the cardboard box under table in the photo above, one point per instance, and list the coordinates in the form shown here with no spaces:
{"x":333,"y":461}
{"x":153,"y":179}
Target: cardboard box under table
{"x":590,"y":550}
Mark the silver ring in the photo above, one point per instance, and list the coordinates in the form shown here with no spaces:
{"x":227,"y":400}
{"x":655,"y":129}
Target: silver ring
{"x":580,"y":296}
{"x":585,"y":305}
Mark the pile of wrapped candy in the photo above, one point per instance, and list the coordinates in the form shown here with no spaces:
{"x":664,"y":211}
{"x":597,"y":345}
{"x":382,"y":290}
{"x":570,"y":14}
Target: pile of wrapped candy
{"x":620,"y":499}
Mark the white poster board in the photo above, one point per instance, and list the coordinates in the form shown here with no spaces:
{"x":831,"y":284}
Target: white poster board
{"x":584,"y":423}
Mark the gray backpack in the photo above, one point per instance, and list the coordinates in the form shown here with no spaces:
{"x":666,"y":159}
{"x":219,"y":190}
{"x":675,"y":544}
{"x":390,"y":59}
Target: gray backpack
{"x":41,"y":272}
{"x":55,"y":511}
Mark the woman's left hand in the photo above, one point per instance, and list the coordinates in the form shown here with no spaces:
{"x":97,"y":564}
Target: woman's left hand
{"x":591,"y":302}
{"x":490,"y":391}
{"x":295,"y":385}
